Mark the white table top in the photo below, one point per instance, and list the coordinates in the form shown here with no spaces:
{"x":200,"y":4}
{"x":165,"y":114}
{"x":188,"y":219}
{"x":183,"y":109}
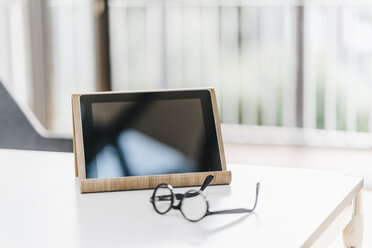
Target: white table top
{"x":41,"y":206}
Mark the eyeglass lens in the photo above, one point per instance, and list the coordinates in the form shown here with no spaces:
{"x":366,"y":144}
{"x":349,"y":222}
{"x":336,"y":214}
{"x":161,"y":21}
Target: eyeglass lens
{"x":194,"y":206}
{"x":163,"y":199}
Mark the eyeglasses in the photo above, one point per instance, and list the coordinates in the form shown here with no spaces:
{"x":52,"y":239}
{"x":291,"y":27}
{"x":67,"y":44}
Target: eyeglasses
{"x":193,"y":204}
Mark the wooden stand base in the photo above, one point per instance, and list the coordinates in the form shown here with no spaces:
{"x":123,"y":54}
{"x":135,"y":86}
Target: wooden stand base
{"x":150,"y":182}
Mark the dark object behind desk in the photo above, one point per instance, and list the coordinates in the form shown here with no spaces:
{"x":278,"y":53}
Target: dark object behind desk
{"x":17,"y":132}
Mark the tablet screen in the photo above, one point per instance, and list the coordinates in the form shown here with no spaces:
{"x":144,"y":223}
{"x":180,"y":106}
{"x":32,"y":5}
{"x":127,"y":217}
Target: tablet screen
{"x":152,"y":133}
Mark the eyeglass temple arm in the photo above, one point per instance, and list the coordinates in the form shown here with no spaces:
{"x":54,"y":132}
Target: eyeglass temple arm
{"x":239,"y":210}
{"x":206,"y":182}
{"x":179,"y":196}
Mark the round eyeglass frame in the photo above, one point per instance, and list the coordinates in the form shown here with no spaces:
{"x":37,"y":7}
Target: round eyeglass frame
{"x":193,"y":193}
{"x":179,"y":206}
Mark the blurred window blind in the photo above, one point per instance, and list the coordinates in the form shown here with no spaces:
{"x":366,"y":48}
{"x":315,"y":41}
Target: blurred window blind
{"x":15,"y":49}
{"x":247,"y":53}
{"x":252,"y":53}
{"x":49,"y":50}
{"x":71,"y":32}
{"x":296,"y":64}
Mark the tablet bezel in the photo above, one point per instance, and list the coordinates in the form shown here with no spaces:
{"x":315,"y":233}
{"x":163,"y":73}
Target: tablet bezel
{"x":209,"y":108}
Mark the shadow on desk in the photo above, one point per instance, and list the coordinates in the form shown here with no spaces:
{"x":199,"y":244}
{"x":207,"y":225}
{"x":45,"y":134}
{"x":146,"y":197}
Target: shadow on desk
{"x":109,"y":219}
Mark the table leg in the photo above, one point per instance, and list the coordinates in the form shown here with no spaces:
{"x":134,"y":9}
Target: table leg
{"x":353,"y":232}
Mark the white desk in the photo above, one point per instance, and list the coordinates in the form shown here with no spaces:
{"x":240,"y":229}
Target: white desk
{"x":41,"y":206}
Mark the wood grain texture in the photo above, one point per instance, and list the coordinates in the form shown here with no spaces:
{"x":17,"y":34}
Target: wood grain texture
{"x":218,"y":128}
{"x":78,"y":138}
{"x":142,"y":182}
{"x":73,"y":104}
{"x":149,"y":182}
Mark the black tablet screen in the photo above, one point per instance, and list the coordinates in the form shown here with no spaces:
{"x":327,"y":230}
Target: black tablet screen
{"x":134,"y":134}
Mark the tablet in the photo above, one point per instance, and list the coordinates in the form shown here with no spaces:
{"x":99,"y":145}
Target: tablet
{"x":145,"y":135}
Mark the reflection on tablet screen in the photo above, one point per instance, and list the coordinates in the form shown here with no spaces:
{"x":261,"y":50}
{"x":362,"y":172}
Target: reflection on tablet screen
{"x":143,"y":155}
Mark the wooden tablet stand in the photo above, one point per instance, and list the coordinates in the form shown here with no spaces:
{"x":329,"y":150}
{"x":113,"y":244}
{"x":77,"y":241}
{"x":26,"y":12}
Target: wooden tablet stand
{"x":141,"y":182}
